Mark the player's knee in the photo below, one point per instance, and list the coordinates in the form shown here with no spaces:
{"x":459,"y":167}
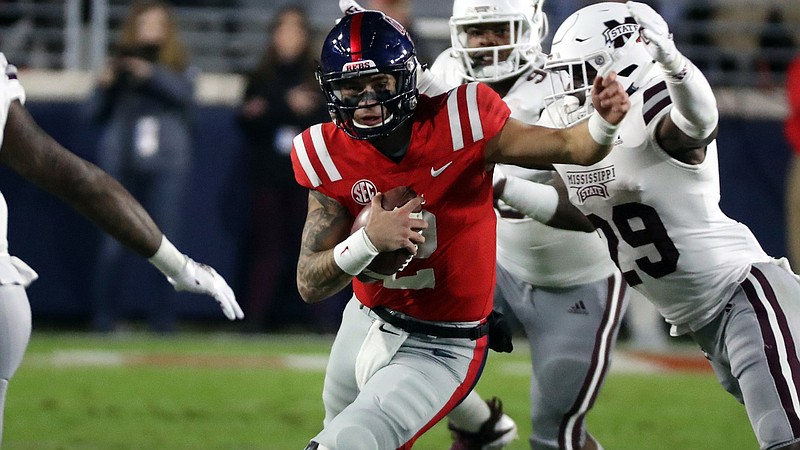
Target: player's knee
{"x":560,"y":382}
{"x":773,"y":425}
{"x":561,"y":379}
{"x":358,"y":438}
{"x":361,"y":430}
{"x":388,"y":427}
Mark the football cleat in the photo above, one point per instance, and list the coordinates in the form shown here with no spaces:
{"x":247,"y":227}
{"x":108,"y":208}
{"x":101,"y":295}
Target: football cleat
{"x":496,"y":433}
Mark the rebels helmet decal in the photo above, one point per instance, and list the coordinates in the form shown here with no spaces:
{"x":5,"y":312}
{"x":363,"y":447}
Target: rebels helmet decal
{"x":617,"y":34}
{"x":359,"y":65}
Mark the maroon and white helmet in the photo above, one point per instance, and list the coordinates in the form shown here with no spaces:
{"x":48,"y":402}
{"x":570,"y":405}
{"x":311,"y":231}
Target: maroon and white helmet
{"x":527,"y":24}
{"x":597,"y":39}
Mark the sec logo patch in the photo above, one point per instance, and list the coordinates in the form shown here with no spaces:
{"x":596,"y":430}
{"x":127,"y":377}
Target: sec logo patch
{"x":363,"y":191}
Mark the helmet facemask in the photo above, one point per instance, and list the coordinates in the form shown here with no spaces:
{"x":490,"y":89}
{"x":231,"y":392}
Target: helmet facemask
{"x":523,"y":25}
{"x":595,"y":40}
{"x":392,"y":98}
{"x":571,"y":83}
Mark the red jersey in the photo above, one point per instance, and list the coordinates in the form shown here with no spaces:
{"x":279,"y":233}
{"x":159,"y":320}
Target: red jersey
{"x":452,"y":277}
{"x":792,"y":123}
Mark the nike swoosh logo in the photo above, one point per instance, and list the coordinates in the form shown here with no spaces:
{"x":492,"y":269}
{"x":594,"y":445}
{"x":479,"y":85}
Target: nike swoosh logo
{"x":443,"y":353}
{"x":387,"y":331}
{"x":437,"y":172}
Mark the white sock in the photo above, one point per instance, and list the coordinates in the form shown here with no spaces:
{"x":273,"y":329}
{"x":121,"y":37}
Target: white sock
{"x":470,"y":414}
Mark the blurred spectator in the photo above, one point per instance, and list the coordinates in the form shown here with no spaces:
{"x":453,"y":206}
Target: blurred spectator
{"x":701,"y":47}
{"x":698,"y":15}
{"x":792,"y":130}
{"x":281,"y":99}
{"x":143,"y":99}
{"x":775,"y":42}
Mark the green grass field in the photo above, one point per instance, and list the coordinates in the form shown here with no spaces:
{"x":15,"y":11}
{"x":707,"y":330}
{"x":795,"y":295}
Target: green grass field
{"x":225,"y":391}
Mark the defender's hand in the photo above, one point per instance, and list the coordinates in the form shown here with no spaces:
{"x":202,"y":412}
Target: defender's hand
{"x":655,"y":34}
{"x":202,"y":279}
{"x":609,"y":98}
{"x":348,"y":7}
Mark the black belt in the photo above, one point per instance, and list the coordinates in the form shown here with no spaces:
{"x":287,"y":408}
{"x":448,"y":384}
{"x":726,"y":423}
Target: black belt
{"x":412,"y":326}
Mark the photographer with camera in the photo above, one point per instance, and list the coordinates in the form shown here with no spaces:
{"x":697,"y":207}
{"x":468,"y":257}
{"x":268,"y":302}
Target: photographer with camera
{"x":142,"y":100}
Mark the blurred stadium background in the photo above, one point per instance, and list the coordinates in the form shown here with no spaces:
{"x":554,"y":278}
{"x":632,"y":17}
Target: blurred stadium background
{"x":58,"y":44}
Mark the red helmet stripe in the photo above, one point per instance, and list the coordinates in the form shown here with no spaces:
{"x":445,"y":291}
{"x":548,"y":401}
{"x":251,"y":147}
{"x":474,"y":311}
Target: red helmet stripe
{"x":355,"y":37}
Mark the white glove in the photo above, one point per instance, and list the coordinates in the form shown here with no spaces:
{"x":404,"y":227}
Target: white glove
{"x":202,"y":279}
{"x":656,"y":36}
{"x":350,"y":7}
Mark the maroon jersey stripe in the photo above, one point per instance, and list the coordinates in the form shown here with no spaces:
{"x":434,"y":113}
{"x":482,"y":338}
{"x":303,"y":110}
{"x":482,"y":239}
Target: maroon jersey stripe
{"x":651,"y":110}
{"x":601,"y":359}
{"x":768,"y":334}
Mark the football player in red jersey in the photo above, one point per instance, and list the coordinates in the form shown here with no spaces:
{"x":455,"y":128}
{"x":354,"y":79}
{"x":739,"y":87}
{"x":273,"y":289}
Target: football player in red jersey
{"x":411,"y":345}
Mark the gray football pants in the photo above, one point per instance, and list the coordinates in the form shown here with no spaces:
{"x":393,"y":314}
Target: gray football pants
{"x":419,"y":384}
{"x":571,"y":332}
{"x":753,"y":347}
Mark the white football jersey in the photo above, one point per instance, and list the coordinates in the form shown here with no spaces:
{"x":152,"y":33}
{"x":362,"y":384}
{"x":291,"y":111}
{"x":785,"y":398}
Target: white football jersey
{"x":12,"y":270}
{"x":534,"y":252}
{"x":662,"y":220}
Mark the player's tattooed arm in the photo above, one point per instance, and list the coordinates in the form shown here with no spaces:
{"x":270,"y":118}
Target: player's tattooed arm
{"x":32,"y":153}
{"x":327,"y":224}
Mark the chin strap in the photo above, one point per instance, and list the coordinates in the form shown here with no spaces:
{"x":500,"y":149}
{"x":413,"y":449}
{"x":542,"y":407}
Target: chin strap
{"x":641,"y":79}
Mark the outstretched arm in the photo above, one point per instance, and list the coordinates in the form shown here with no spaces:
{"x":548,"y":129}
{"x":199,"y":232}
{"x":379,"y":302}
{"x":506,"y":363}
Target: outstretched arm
{"x":585,"y":143}
{"x":692,"y":121}
{"x":34,"y":154}
{"x":546,"y":203}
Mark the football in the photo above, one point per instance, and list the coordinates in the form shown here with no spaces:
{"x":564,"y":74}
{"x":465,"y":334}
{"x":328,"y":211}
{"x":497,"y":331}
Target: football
{"x":386,"y":263}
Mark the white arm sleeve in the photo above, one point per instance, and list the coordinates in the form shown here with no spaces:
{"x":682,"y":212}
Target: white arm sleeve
{"x":694,"y":108}
{"x":168,"y":259}
{"x":535,"y":200}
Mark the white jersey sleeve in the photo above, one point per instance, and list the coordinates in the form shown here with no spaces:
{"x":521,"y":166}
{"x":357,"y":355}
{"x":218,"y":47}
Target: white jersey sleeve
{"x":12,"y":269}
{"x":445,"y":68}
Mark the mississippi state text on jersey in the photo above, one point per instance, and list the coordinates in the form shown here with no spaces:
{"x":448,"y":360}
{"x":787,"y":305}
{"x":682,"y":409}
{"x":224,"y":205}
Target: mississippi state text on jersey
{"x":679,"y":249}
